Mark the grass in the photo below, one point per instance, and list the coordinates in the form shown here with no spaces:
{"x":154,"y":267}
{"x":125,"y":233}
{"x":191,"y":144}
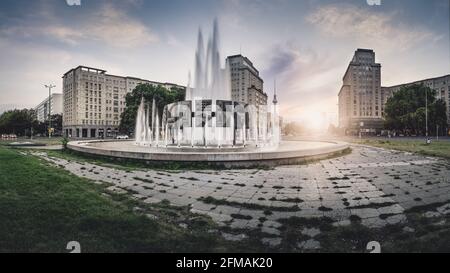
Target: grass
{"x":252,"y":206}
{"x":45,"y":207}
{"x":436,"y":148}
{"x":426,"y":236}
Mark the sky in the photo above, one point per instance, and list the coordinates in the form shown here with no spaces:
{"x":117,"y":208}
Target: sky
{"x":305,"y":45}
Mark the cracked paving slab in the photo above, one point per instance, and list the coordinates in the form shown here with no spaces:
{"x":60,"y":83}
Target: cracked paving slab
{"x":374,"y":184}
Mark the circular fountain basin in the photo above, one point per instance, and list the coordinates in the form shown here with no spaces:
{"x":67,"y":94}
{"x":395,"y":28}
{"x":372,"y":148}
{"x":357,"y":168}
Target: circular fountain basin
{"x":287,"y":153}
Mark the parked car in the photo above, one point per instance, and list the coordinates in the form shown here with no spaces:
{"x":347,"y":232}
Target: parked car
{"x":122,"y":137}
{"x":11,"y":136}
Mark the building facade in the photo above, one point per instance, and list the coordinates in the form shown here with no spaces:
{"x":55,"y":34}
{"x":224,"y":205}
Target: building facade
{"x":360,"y":100}
{"x":56,"y":107}
{"x":246,"y":84}
{"x":440,"y":84}
{"x":93,"y":101}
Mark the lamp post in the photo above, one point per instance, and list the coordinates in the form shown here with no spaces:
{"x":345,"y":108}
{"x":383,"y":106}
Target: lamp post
{"x":50,"y":86}
{"x":361,"y":125}
{"x":426,"y":113}
{"x":437,"y":132}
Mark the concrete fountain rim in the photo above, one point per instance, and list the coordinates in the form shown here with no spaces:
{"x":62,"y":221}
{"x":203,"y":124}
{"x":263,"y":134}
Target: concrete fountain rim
{"x":232,"y":158}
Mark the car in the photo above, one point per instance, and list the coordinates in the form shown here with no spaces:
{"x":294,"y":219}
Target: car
{"x":122,"y":137}
{"x":11,"y":136}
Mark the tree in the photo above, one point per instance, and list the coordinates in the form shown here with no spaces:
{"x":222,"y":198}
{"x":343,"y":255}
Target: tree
{"x":439,"y":114}
{"x":405,"y":111}
{"x":293,"y":128}
{"x":162,"y":96}
{"x":19,"y":122}
{"x":333,"y":130}
{"x":56,"y":123}
{"x":41,"y":128}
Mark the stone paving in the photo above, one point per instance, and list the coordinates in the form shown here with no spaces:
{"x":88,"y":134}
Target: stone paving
{"x":374,"y":184}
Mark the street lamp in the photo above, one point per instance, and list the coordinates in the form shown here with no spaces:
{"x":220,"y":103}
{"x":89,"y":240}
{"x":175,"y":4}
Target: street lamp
{"x":426,"y":113}
{"x":50,"y":86}
{"x":437,"y":132}
{"x":361,"y":125}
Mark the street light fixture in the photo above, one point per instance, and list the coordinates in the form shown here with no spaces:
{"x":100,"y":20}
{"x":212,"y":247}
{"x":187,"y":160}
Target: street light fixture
{"x":49,"y":86}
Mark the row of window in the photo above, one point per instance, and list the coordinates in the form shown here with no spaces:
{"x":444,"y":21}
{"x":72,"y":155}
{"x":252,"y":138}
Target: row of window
{"x":99,"y":122}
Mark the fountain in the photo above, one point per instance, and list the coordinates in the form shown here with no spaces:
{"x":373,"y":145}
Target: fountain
{"x":208,"y":127}
{"x":208,"y":118}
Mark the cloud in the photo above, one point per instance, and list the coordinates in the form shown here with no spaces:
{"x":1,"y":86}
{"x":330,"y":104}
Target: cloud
{"x":116,"y":28}
{"x":238,"y":14}
{"x":43,"y":64}
{"x":368,"y":26}
{"x":108,"y":24}
{"x":306,"y":79}
{"x":282,"y":59}
{"x":173,"y":41}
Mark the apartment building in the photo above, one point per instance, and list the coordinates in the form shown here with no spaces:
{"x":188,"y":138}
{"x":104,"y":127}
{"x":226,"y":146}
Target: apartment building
{"x":54,"y":104}
{"x":360,"y":98}
{"x":246,"y":84}
{"x":93,"y":101}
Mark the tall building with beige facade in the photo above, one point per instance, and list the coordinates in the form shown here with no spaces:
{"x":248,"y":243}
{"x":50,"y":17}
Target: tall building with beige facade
{"x":93,"y":101}
{"x":360,"y":101}
{"x":246,"y":84}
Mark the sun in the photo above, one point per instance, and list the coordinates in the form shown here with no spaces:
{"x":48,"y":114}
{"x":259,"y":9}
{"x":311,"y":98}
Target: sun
{"x":315,"y":121}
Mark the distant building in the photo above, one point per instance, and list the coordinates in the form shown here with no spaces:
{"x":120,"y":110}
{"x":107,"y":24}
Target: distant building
{"x":56,"y":107}
{"x":440,"y":84}
{"x":93,"y":101}
{"x":246,"y":84}
{"x":360,"y":101}
{"x":9,"y":107}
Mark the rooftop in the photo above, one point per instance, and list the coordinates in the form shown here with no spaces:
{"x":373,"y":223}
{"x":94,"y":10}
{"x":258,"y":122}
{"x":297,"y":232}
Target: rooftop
{"x":418,"y":81}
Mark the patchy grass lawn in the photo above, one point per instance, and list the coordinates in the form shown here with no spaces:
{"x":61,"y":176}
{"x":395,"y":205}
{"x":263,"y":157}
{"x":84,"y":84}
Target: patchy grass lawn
{"x":436,"y":148}
{"x":426,"y":235}
{"x":44,"y":207}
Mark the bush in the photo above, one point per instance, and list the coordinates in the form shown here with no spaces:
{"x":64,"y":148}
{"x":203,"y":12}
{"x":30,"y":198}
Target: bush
{"x":64,"y":142}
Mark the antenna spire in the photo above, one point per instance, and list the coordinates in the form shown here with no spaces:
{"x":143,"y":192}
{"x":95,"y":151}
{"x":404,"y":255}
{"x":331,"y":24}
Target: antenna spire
{"x":275,"y":101}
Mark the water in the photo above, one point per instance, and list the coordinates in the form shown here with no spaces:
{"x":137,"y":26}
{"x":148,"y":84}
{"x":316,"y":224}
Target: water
{"x":208,"y":117}
{"x":147,"y":130}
